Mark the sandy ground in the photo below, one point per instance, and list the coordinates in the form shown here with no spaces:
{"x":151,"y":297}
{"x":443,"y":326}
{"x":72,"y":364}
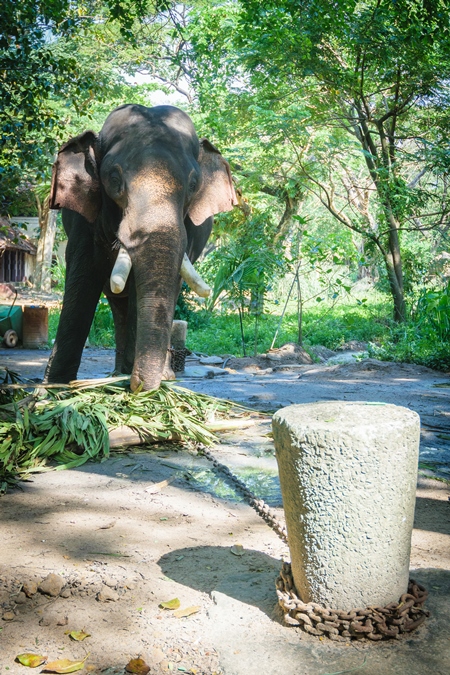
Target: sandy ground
{"x":119,"y":546}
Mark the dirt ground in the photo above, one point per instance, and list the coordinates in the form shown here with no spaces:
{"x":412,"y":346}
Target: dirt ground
{"x":121,"y":541}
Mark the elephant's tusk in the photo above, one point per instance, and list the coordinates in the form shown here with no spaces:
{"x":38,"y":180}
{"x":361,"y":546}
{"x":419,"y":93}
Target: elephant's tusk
{"x":122,"y":268}
{"x":120,"y":272}
{"x":193,"y":278}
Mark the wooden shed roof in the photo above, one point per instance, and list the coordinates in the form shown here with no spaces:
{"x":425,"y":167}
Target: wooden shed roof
{"x":12,"y":239}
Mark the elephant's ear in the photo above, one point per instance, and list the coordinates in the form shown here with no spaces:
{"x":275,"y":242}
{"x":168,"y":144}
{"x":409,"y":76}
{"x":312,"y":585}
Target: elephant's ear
{"x":216,"y":192}
{"x":75,"y":180}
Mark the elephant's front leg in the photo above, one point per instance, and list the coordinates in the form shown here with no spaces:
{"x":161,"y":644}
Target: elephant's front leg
{"x":119,"y":309}
{"x":86,"y":272}
{"x":168,"y":372}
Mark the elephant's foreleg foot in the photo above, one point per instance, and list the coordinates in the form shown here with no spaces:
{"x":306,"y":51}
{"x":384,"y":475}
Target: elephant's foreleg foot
{"x":168,"y":373}
{"x":119,"y":364}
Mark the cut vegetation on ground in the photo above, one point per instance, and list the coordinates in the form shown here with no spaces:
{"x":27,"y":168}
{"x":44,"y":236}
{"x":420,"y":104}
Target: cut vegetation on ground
{"x":70,"y":425}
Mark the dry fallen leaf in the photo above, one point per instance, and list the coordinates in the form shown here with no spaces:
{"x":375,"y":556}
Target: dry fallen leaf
{"x":63,"y":666}
{"x":107,"y":527}
{"x":237,"y":549}
{"x":31,"y":660}
{"x":170,"y":604}
{"x":156,"y":487}
{"x":137,"y":667}
{"x":180,"y":613}
{"x":77,"y":635}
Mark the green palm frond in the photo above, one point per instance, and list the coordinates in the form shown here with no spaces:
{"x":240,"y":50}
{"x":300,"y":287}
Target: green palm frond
{"x":71,"y":425}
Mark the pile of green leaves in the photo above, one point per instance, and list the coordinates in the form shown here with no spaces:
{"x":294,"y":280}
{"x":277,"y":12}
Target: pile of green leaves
{"x":70,"y":426}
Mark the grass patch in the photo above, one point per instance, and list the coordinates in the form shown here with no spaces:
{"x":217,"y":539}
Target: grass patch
{"x":328,"y":325}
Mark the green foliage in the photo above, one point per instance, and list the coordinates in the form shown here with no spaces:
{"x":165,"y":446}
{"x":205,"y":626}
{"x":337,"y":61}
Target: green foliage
{"x":425,"y":338}
{"x":350,"y":105}
{"x":57,"y":64}
{"x":327,"y":258}
{"x":330,"y":327}
{"x":58,"y":274}
{"x":31,"y":73}
{"x":244,"y":276}
{"x":53,"y":321}
{"x":188,"y":309}
{"x":102,"y":329}
{"x":410,"y":345}
{"x":244,"y":269}
{"x":433,"y":312}
{"x":70,"y":426}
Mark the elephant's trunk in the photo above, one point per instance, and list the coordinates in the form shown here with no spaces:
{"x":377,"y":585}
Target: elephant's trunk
{"x":156,"y":244}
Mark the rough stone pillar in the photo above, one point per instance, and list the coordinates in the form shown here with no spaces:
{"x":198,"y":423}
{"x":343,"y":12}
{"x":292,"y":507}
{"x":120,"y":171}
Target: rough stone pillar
{"x":35,"y":326}
{"x":178,"y":336}
{"x":348,"y":474}
{"x":178,"y":343}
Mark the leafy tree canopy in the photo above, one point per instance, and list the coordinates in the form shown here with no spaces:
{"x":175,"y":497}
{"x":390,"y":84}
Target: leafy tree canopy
{"x":41,"y":66}
{"x":372,"y":73}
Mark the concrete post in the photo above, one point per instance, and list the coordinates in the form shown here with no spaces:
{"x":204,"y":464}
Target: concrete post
{"x":348,"y":475}
{"x":178,"y":343}
{"x":178,"y":335}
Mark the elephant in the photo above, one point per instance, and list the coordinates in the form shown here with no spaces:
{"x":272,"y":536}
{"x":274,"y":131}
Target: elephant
{"x":137,"y":201}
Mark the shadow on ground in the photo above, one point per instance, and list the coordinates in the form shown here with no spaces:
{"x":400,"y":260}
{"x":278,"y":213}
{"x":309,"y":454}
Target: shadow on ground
{"x":249,"y":578}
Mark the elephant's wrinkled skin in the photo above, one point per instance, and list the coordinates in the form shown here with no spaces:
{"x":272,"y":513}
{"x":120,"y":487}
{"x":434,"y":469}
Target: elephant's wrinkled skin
{"x":145,"y":182}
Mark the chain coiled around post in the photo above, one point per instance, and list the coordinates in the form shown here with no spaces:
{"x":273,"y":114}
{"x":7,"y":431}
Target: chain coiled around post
{"x":374,"y":623}
{"x":178,"y":359}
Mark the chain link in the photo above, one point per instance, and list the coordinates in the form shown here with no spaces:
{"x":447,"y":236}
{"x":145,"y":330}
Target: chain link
{"x":374,"y":623}
{"x":259,"y":505}
{"x":178,"y":359}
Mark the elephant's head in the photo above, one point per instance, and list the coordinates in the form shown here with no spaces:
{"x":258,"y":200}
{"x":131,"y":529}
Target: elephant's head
{"x":137,"y":183}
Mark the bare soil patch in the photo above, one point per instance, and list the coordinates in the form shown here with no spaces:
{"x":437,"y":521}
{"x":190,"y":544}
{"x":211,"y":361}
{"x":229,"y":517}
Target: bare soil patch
{"x":122,"y":540}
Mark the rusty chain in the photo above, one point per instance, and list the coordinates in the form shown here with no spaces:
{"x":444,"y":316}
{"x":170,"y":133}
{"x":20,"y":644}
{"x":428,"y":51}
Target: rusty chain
{"x":178,"y":359}
{"x":261,"y":508}
{"x":374,"y":623}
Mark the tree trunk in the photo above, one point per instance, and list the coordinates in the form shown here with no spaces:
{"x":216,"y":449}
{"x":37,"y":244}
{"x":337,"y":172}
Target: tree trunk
{"x":47,"y":222}
{"x":393,"y":260}
{"x":291,"y":209}
{"x":396,"y":289}
{"x":381,"y":166}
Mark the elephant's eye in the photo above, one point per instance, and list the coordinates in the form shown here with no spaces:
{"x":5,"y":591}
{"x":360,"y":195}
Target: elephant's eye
{"x":116,"y":179}
{"x":193,"y":181}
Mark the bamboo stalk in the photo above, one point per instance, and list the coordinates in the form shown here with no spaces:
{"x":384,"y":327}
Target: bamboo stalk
{"x":229,"y":425}
{"x":125,"y":436}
